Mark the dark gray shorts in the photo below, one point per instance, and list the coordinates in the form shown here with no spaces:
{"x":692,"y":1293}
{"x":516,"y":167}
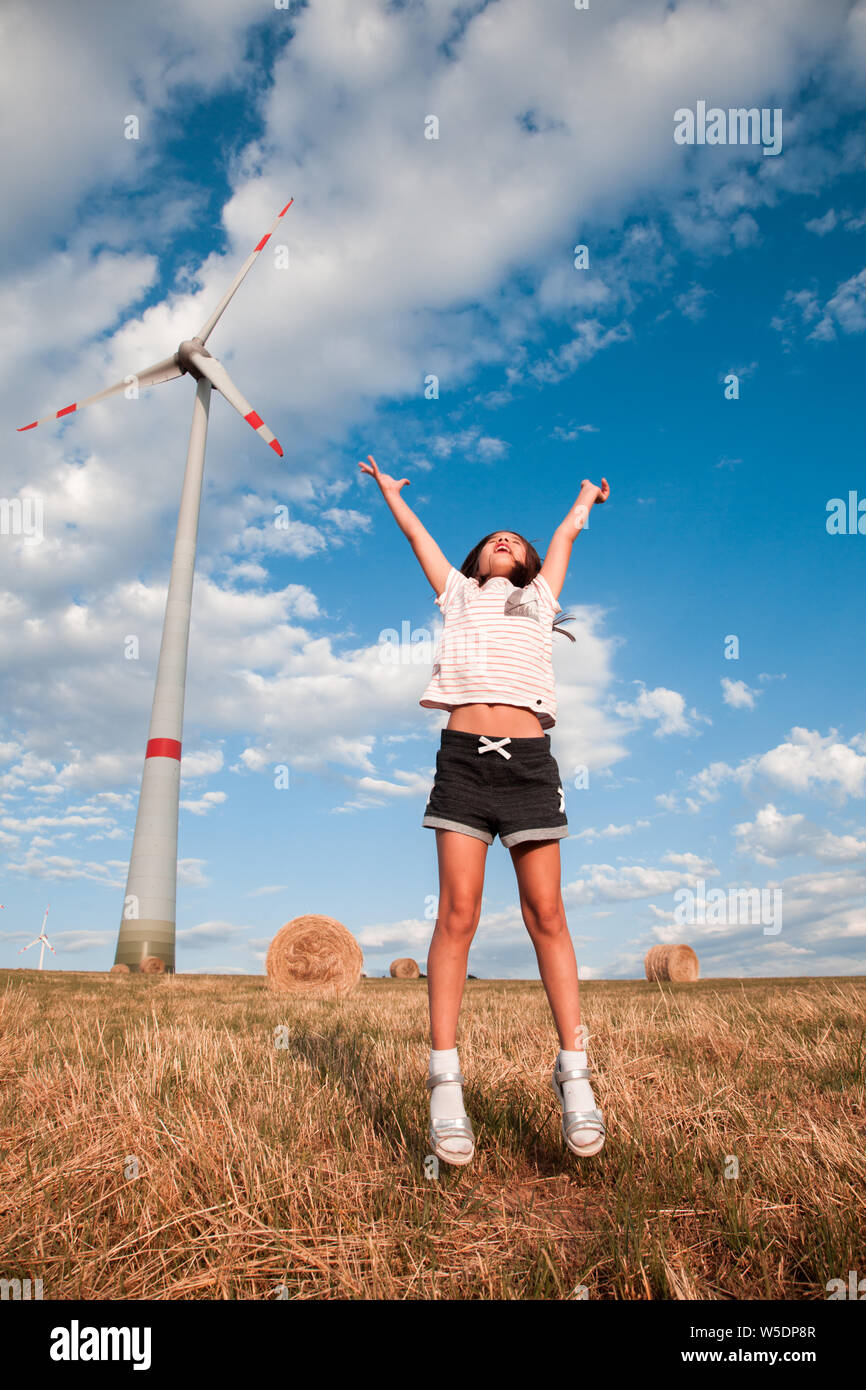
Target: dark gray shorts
{"x":482,"y":792}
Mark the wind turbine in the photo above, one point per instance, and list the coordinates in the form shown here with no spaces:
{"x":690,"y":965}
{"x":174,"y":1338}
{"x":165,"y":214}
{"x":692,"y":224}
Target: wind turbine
{"x":43,"y":938}
{"x":147,"y":925}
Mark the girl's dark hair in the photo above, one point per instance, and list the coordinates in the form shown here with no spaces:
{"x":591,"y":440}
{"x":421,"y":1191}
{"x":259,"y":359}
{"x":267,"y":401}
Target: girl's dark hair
{"x":521,"y":574}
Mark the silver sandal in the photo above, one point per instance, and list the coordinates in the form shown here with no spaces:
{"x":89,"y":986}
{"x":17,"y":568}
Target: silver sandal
{"x":445,"y":1128}
{"x":578,"y":1119}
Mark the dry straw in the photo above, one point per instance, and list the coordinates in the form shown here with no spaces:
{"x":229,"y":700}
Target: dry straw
{"x":152,"y":965}
{"x":676,"y":963}
{"x":314,"y":955}
{"x":405,"y":969}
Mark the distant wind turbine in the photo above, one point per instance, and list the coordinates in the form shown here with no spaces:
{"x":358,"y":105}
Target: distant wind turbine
{"x":43,"y":938}
{"x":147,"y":924}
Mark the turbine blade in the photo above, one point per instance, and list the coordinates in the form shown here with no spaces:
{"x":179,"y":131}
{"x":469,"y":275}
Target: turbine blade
{"x":152,"y":376}
{"x":32,"y":943}
{"x":205,"y":332}
{"x":219,"y":377}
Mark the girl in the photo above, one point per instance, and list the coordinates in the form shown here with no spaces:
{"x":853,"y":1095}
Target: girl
{"x":495,"y":774}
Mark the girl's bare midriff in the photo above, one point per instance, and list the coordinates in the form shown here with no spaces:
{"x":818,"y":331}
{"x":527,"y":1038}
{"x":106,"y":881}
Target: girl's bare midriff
{"x":508,"y":721}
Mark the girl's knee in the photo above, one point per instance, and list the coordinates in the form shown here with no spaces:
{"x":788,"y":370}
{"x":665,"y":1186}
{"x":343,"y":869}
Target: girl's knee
{"x":546,"y":919}
{"x":459,"y":918}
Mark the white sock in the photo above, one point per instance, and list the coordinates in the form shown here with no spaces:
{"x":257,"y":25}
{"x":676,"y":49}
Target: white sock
{"x":578,"y":1096}
{"x":446,"y":1099}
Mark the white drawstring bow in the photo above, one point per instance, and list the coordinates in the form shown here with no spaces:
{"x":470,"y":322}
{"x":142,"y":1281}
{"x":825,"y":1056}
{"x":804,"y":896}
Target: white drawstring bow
{"x":487,"y":745}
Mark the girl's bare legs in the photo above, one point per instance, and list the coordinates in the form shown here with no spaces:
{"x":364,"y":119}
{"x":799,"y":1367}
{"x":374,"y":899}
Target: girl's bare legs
{"x":461,"y":880}
{"x":537,"y":865}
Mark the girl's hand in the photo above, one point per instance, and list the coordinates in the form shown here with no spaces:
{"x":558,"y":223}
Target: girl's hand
{"x":601,"y":493}
{"x":385,"y":481}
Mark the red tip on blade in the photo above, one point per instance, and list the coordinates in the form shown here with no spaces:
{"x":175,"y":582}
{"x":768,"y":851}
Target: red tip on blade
{"x":255,"y":420}
{"x":275,"y":445}
{"x":28,"y":427}
{"x":286,"y":208}
{"x":67,"y":409}
{"x":265,"y":238}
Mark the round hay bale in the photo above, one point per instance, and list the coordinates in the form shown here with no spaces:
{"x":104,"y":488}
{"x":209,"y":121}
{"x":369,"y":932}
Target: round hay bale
{"x":152,"y":965}
{"x":405,"y":969}
{"x":314,"y":955}
{"x":119,"y":969}
{"x":679,"y":964}
{"x":653,"y":962}
{"x":683,"y":965}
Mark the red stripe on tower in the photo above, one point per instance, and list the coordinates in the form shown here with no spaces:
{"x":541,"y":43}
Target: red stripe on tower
{"x":163,"y":748}
{"x":67,"y":409}
{"x":255,"y":420}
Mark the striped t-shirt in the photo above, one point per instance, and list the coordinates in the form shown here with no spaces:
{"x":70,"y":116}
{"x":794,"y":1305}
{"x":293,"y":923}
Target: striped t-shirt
{"x":496,"y":646}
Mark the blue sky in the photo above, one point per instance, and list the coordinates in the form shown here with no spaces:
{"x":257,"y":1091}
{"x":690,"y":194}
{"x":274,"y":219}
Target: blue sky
{"x":454,"y":256}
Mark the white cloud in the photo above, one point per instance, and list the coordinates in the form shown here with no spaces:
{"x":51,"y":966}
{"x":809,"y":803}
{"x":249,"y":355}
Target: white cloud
{"x":608,"y":884}
{"x":667,"y":707}
{"x":469,"y":444}
{"x":77,"y":942}
{"x":692,"y":303}
{"x":201,"y":764}
{"x":208,"y":801}
{"x":42,"y":822}
{"x":205,"y":934}
{"x":844,"y":311}
{"x":810,"y":762}
{"x":822,"y":225}
{"x":738,"y":694}
{"x":610,"y":831}
{"x":806,"y":762}
{"x":190,"y":872}
{"x":773,"y":836}
{"x":35,"y":864}
{"x":695,"y":864}
{"x":850,"y":221}
{"x":744,"y":371}
{"x":373,"y":793}
{"x":77,"y":301}
{"x":411,"y":933}
{"x":345,"y":519}
{"x":568,"y":433}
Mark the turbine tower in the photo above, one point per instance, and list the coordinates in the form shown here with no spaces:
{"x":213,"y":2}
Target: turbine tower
{"x":43,"y":938}
{"x":147,"y":925}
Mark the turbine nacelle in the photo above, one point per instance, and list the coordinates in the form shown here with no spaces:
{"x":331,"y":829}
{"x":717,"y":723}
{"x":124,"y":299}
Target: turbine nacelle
{"x":183,"y":356}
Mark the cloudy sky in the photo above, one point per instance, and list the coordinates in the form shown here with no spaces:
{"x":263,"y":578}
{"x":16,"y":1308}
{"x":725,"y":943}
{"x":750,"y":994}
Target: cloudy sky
{"x":715,"y":693}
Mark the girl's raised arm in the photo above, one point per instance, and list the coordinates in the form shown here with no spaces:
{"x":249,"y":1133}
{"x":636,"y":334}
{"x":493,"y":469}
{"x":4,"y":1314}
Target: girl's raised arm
{"x":556,"y":560}
{"x":429,"y":556}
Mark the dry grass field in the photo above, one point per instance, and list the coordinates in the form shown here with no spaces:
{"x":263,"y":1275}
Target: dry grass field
{"x":162,"y":1138}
